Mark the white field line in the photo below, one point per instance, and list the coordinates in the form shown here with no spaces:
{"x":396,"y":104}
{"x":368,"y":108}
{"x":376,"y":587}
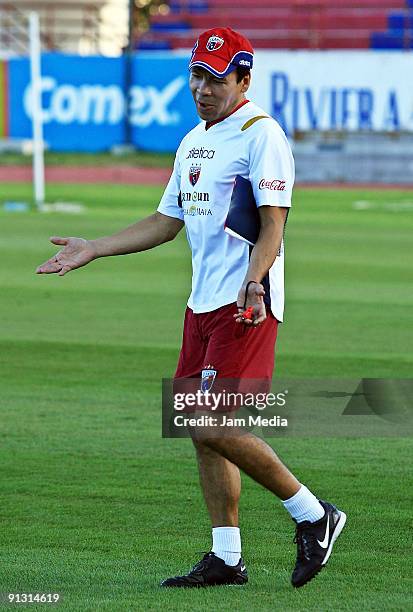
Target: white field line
{"x":73,"y":208}
{"x":403,"y":206}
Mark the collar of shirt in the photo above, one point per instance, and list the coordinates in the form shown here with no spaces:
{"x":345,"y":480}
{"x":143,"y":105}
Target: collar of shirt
{"x":234,"y":110}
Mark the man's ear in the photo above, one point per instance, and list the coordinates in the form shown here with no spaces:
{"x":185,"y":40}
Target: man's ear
{"x":246,"y":82}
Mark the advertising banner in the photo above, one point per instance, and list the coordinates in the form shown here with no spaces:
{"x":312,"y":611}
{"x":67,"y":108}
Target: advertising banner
{"x":86,"y":107}
{"x":335,"y":90}
{"x":161,"y":107}
{"x":82,"y":101}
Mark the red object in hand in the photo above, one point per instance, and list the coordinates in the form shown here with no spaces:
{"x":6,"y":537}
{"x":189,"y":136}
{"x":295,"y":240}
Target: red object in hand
{"x":247,"y":314}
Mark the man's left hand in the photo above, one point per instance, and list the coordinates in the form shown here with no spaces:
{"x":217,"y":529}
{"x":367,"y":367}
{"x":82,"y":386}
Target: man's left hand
{"x":255,"y":301}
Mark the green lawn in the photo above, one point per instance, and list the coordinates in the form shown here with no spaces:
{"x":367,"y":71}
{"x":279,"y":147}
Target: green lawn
{"x":96,"y":505}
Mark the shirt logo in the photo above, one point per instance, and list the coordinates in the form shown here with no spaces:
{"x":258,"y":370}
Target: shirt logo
{"x":274,"y":185}
{"x":194,"y":211}
{"x":200,"y":153}
{"x":214,"y":43}
{"x":194,"y":172}
{"x":195,"y":196}
{"x":207,"y":378}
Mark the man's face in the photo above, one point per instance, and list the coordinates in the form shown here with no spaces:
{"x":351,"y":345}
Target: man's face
{"x":214,"y":97}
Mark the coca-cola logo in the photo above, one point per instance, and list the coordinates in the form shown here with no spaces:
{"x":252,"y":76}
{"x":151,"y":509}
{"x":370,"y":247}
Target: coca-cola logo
{"x":274,"y":185}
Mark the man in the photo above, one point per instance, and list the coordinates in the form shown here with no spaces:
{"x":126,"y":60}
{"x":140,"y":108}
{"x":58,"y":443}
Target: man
{"x":230,"y":279}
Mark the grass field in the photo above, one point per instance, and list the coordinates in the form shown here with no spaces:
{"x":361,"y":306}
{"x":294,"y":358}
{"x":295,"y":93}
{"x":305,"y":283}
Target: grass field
{"x":96,"y":505}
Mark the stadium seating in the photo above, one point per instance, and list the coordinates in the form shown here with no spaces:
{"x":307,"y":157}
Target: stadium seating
{"x":288,"y":24}
{"x":399,"y":33}
{"x":72,"y":26}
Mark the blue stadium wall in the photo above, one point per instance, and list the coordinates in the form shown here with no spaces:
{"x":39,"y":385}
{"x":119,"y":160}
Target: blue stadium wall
{"x":86,"y":100}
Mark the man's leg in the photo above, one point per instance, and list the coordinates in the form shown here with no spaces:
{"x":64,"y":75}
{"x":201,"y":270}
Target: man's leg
{"x":318,"y":523}
{"x":221,"y":485}
{"x":220,"y":478}
{"x":254,"y":457}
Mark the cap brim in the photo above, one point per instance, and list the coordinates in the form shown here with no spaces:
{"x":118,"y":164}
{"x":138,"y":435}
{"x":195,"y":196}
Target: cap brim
{"x":217,"y":66}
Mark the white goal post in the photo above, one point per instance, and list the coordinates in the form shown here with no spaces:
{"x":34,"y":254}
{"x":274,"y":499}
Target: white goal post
{"x":37,"y":124}
{"x":20,"y":37}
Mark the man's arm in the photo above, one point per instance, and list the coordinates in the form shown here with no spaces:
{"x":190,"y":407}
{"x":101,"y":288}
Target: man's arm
{"x":262,"y":257}
{"x":141,"y":236}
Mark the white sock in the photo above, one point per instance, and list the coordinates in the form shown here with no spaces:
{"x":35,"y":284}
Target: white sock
{"x":304,"y":506}
{"x":226,"y":544}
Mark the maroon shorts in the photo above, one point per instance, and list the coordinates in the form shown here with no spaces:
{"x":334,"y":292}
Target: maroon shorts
{"x":213,"y":340}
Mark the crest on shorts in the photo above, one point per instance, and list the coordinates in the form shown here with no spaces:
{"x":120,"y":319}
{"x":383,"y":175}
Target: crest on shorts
{"x":207,"y":378}
{"x":214,"y":43}
{"x":194,"y":172}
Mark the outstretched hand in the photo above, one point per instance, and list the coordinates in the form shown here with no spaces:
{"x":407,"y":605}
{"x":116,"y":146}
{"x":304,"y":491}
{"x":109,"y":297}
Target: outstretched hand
{"x":76,"y":252}
{"x":254,"y":300}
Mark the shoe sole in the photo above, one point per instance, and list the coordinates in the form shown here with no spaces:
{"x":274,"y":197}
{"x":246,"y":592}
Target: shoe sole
{"x":203,"y":586}
{"x":339,"y":528}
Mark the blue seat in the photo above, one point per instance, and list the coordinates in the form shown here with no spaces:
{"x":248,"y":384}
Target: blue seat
{"x":386,"y":40}
{"x":400,"y":21}
{"x":193,"y":6}
{"x":175,"y":6}
{"x":198,"y":6}
{"x":177,"y":26}
{"x":153,"y":45}
{"x":396,"y":21}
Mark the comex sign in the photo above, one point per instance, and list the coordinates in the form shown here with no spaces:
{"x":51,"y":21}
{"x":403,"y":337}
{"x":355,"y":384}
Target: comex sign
{"x":99,"y":104}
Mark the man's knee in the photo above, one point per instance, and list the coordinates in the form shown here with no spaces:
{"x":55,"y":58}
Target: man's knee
{"x":202,"y":445}
{"x":208,"y":445}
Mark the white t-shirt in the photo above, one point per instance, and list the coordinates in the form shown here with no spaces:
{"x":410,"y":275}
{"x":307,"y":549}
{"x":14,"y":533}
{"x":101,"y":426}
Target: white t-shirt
{"x":199,"y":193}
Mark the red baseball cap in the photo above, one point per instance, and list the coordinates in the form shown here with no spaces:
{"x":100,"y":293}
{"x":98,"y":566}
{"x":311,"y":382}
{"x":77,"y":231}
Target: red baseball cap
{"x":221,"y":50}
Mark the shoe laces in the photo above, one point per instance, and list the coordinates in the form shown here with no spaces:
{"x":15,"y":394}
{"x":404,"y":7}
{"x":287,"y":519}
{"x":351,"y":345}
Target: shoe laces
{"x":304,"y":538}
{"x":203,"y":563}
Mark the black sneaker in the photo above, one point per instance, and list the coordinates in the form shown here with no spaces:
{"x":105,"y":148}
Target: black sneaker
{"x":210,"y":571}
{"x":315,"y":542}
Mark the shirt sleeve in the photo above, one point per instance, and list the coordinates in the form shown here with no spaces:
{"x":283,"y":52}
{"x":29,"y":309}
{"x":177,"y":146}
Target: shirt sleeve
{"x":170,"y":201}
{"x":271,"y":168}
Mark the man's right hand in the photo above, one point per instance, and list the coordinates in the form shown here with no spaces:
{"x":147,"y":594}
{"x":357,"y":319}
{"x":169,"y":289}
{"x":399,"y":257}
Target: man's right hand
{"x":76,"y":252}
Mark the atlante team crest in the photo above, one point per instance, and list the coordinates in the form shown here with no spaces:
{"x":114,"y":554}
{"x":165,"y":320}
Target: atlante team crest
{"x":207,"y":378}
{"x":214,"y":43}
{"x":194,"y":172}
